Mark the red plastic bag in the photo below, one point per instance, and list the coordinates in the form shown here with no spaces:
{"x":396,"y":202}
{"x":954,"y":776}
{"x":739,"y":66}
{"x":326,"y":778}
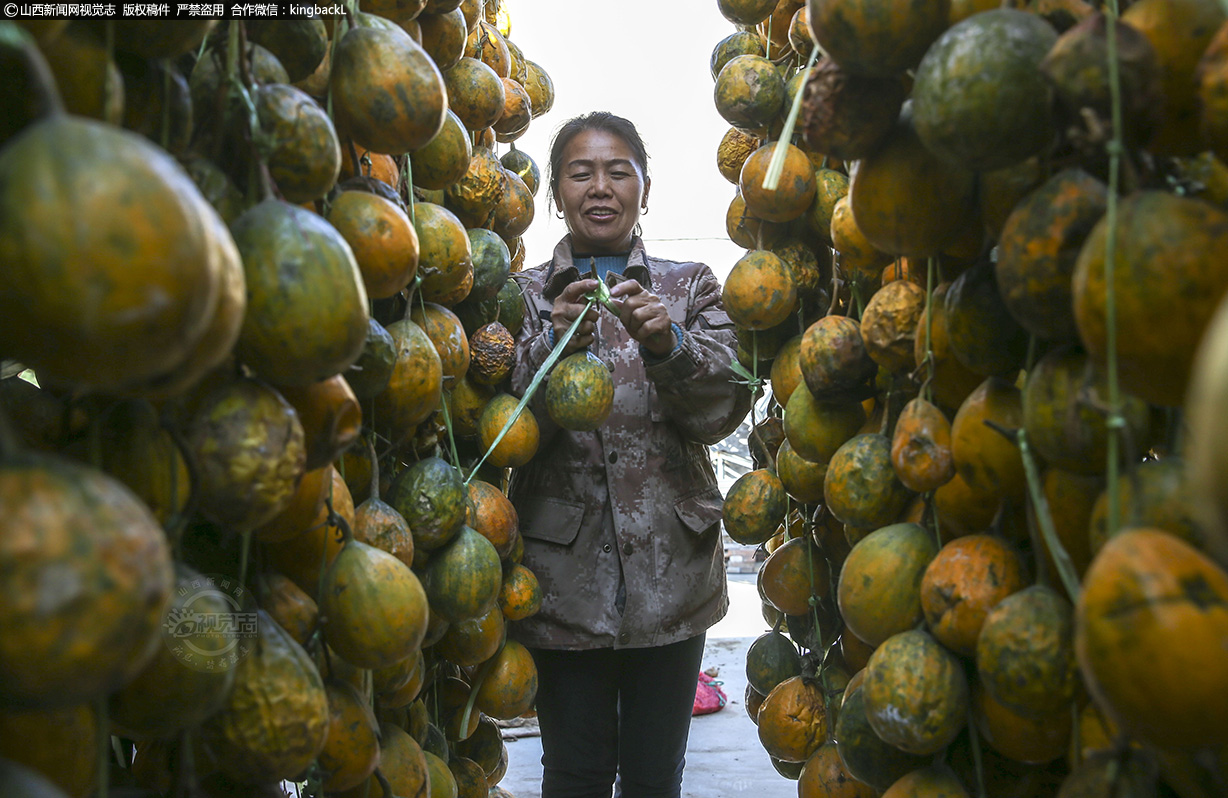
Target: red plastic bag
{"x":709,"y":697}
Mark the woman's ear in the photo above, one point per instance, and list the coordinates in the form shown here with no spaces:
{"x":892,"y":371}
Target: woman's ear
{"x":644,"y":196}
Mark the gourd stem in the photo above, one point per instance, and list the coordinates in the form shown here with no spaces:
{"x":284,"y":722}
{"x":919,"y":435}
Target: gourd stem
{"x":1076,"y":746}
{"x":447,"y":423}
{"x":407,"y":174}
{"x":374,"y":467}
{"x":553,"y":358}
{"x":771,"y":179}
{"x":109,"y":44}
{"x":165,"y":136}
{"x":977,"y":762}
{"x":929,"y":334}
{"x":1061,"y":559}
{"x":1115,"y":147}
{"x":328,"y":502}
{"x":185,"y":766}
{"x":179,"y":520}
{"x":245,"y":556}
{"x":232,"y":51}
{"x":754,"y":372}
{"x":104,"y":743}
{"x":478,"y":681}
{"x":443,"y":404}
{"x":384,"y":785}
{"x":813,"y":601}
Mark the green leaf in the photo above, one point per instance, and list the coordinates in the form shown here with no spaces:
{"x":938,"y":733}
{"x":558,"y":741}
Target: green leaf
{"x":555,"y":354}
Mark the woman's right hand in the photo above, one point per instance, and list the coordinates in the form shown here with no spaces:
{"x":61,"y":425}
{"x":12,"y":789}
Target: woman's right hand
{"x":567,"y":308}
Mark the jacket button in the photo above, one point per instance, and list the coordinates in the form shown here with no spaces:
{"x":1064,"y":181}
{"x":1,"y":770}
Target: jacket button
{"x":613,"y":457}
{"x":623,"y":637}
{"x":626,"y":548}
{"x":606,"y":548}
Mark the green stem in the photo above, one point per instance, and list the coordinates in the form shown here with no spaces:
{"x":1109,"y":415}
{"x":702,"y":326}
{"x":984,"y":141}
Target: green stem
{"x":339,"y":29}
{"x":1076,"y":745}
{"x":324,"y":554}
{"x":1115,"y":148}
{"x":978,"y":763}
{"x":1065,"y":567}
{"x":165,"y":136}
{"x":555,"y":354}
{"x":478,"y":681}
{"x":754,"y":372}
{"x":929,"y":335}
{"x":771,"y":178}
{"x":104,"y":745}
{"x":245,"y":556}
{"x":109,"y":43}
{"x":374,"y":490}
{"x":408,"y":176}
{"x":447,"y":423}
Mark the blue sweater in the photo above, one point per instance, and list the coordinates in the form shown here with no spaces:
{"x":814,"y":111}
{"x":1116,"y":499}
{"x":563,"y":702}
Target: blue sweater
{"x":605,"y":263}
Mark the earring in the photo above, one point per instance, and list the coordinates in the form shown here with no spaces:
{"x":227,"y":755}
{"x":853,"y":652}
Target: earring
{"x":559,"y":215}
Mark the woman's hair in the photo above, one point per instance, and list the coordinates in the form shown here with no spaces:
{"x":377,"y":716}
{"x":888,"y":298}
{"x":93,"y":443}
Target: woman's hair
{"x":595,"y":120}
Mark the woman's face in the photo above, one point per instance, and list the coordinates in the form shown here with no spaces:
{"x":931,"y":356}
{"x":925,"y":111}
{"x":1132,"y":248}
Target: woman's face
{"x":601,"y":191}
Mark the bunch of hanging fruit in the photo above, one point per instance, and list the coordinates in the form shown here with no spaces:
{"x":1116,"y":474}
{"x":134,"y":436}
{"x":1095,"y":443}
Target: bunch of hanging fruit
{"x":255,"y":318}
{"x":985,"y":280}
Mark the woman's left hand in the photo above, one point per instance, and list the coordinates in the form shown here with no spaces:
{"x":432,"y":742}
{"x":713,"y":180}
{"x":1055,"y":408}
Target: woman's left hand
{"x":645,"y":318}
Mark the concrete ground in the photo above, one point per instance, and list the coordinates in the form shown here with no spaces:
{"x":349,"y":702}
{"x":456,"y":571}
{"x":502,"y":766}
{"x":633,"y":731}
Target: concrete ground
{"x":724,"y":757}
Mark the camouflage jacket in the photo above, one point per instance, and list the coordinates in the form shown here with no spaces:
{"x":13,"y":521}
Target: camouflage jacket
{"x":621,"y":525}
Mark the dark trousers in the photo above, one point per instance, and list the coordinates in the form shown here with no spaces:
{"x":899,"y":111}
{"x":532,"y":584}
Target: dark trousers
{"x":608,"y":712}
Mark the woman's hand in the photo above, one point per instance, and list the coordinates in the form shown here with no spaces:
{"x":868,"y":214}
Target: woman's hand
{"x":645,"y":318}
{"x":567,"y":308}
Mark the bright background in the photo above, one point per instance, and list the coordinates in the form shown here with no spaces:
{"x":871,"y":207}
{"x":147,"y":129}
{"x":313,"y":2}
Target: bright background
{"x":646,"y":60}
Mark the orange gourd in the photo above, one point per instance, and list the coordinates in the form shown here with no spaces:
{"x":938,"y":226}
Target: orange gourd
{"x":520,"y":595}
{"x":754,"y":506}
{"x":1149,"y":632}
{"x":1025,"y":652}
{"x":580,"y":392}
{"x":921,"y":447}
{"x":372,"y":608}
{"x":963,"y":583}
{"x":351,"y":752}
{"x":792,"y":574}
{"x":793,"y":719}
{"x":388,"y":94}
{"x":384,"y":241}
{"x":71,"y":525}
{"x":879,"y":588}
{"x":511,"y":684}
{"x":760,"y":291}
{"x":915,"y":693}
{"x":493,"y":516}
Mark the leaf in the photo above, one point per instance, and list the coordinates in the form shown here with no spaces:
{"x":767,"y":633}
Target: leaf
{"x":555,"y":354}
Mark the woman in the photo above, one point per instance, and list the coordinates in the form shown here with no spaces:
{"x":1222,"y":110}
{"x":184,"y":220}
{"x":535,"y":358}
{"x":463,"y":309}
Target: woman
{"x":621,"y":525}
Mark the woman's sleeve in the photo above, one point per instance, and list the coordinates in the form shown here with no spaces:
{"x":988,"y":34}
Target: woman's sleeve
{"x":533,"y":346}
{"x":695,"y":383}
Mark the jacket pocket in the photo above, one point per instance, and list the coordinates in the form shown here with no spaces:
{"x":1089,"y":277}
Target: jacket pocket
{"x":701,"y":511}
{"x":551,"y":520}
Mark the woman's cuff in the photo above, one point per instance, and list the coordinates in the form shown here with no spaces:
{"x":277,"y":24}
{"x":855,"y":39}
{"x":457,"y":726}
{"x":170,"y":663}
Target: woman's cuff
{"x":650,"y":357}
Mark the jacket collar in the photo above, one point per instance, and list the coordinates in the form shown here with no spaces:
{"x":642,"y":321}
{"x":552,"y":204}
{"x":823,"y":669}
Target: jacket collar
{"x":563,"y":270}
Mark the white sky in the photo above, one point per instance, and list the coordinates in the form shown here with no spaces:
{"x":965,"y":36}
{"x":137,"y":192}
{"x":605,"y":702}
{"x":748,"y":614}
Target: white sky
{"x":646,"y":60}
